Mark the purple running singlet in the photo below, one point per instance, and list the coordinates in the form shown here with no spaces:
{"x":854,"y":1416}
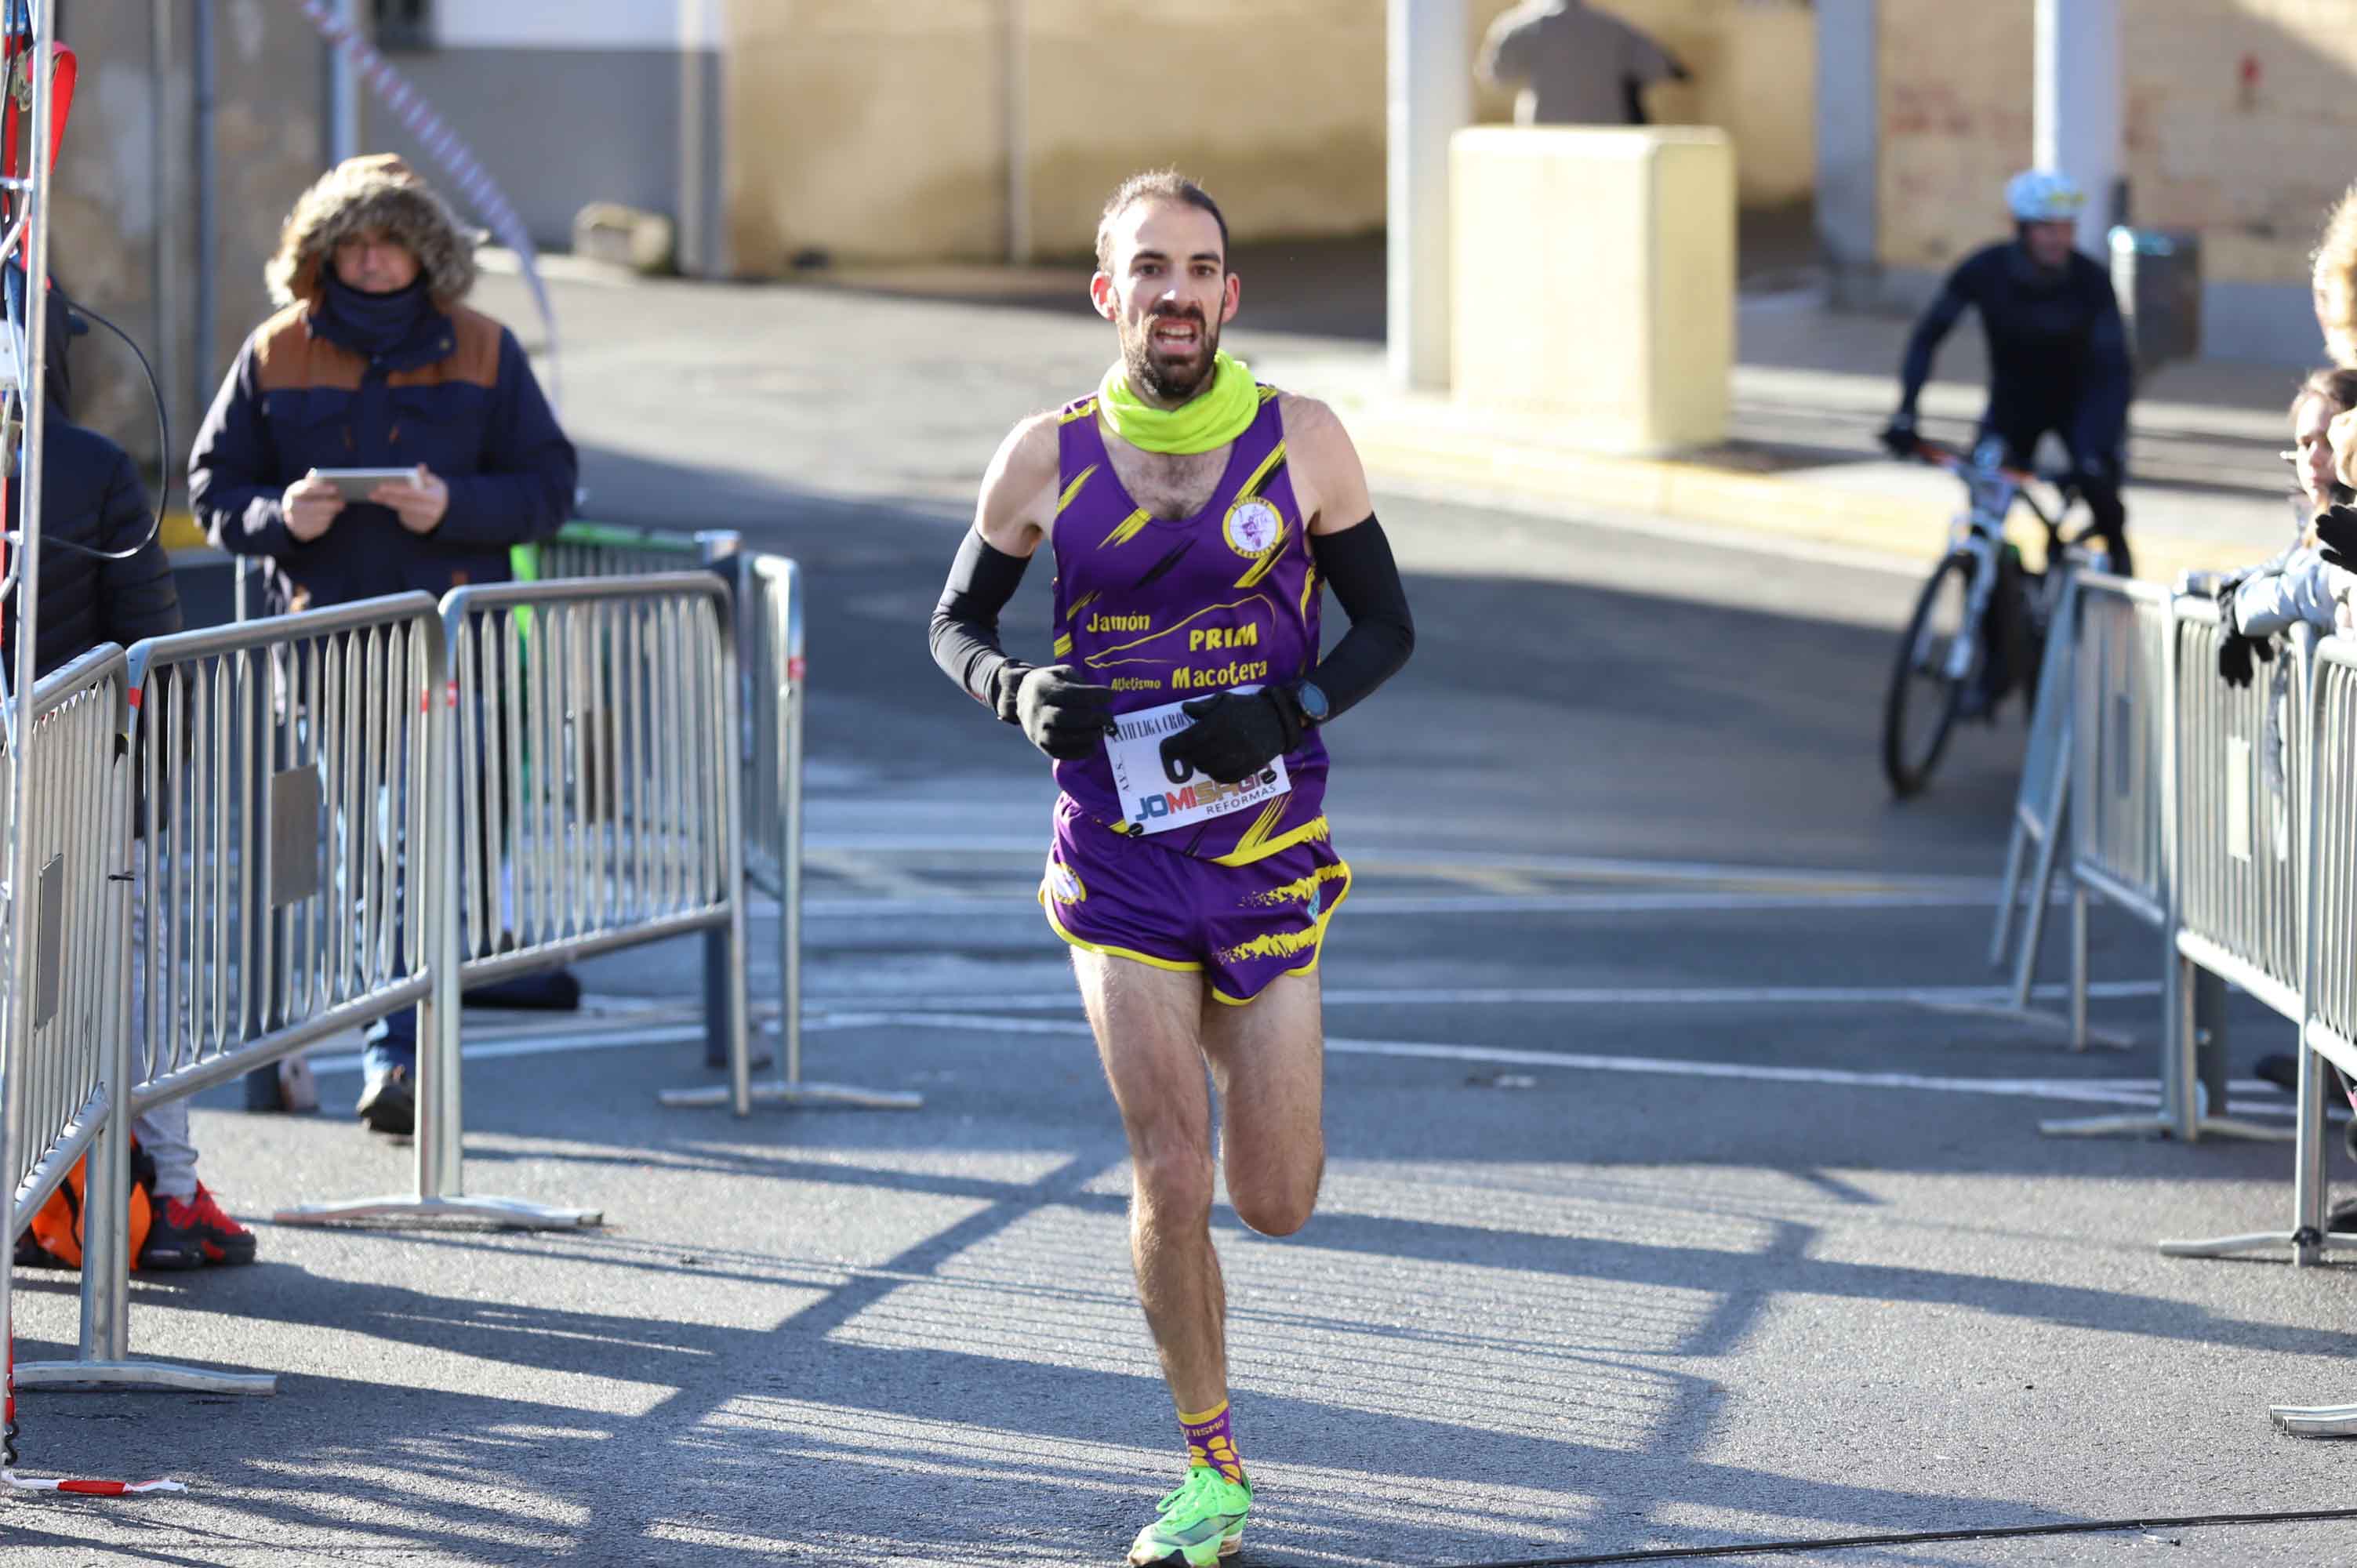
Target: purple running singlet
{"x":1157,"y":863}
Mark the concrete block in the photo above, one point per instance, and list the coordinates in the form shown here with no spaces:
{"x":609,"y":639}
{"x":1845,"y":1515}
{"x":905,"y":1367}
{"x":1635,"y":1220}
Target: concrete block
{"x":1594,"y":280}
{"x":623,"y":237}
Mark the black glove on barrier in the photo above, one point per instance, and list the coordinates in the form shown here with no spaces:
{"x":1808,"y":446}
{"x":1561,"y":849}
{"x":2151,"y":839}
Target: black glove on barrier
{"x":2336,"y":537}
{"x":2236,"y":651}
{"x":1060,"y":713}
{"x":1235,"y":735}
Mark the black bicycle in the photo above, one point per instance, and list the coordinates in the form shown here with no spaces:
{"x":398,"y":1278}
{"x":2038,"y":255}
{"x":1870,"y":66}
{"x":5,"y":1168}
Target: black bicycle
{"x":1979,"y":627}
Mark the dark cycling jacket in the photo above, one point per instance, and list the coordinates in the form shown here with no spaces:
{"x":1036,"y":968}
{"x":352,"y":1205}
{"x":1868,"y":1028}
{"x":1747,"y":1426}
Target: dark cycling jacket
{"x":2058,"y":353}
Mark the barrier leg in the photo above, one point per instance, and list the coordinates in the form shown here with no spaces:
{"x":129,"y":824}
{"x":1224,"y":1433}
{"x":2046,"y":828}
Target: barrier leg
{"x":787,"y":1089}
{"x":2315,"y":1421}
{"x":2017,"y":855}
{"x":2184,"y":1110}
{"x":2033,"y":920}
{"x":2078,"y":965}
{"x":2307,"y":1239}
{"x":102,"y":1360}
{"x":441,"y":1119}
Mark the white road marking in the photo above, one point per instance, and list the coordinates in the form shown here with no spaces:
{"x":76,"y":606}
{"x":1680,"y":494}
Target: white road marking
{"x":2094,"y":1091}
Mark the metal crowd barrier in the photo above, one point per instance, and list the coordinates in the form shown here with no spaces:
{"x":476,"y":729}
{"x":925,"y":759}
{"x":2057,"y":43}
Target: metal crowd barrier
{"x":2243,"y":766}
{"x":282,"y":803}
{"x":769,"y":611}
{"x":2041,"y":804}
{"x":64,"y":1002}
{"x":605,"y":550}
{"x":594,"y":803}
{"x":2330,"y":1028}
{"x":2122,"y":698}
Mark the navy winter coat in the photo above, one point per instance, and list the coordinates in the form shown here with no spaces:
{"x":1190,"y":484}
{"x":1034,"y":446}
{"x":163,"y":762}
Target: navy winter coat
{"x":457,"y":395}
{"x":91,"y":496}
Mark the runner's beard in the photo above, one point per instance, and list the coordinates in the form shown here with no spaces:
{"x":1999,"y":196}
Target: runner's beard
{"x":1159,"y":376}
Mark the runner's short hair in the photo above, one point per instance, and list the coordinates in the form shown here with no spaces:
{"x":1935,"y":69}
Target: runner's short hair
{"x":1156,"y":184}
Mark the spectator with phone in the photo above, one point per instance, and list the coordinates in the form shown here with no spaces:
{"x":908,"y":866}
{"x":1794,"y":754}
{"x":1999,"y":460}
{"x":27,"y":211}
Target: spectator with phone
{"x":375,"y":363}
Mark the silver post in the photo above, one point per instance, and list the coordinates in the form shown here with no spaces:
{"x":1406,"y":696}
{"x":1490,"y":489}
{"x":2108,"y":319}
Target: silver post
{"x":17,"y":1029}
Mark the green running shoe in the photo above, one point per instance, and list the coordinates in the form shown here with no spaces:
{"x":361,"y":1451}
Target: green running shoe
{"x":1199,"y":1523}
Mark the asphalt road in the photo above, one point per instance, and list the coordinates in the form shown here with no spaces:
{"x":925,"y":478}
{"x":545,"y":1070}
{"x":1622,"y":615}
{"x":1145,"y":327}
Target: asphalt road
{"x":1685,"y":1186}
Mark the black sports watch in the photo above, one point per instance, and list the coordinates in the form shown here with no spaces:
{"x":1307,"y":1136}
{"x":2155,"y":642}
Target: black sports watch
{"x":1311,"y":703}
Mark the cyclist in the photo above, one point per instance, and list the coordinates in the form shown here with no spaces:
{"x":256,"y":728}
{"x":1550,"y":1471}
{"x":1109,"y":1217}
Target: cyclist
{"x":2058,"y":353}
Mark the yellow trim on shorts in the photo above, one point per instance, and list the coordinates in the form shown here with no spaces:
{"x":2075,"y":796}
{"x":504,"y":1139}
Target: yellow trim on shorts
{"x":1244,"y":854}
{"x":1316,"y":953}
{"x":1177,"y":966}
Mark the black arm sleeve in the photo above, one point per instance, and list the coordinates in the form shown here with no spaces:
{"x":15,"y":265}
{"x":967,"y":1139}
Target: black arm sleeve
{"x":1357,"y":564}
{"x":1937,"y":323}
{"x":964,"y":634}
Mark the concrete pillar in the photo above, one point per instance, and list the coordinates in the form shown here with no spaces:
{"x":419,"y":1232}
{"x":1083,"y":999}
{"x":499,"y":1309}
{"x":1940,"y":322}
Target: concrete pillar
{"x":703,"y":136}
{"x":1849,"y":136}
{"x":2078,"y":105}
{"x":1431,"y":96}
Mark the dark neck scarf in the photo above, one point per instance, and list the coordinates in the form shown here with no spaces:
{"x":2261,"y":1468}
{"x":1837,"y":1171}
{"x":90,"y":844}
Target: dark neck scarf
{"x":369,"y":324}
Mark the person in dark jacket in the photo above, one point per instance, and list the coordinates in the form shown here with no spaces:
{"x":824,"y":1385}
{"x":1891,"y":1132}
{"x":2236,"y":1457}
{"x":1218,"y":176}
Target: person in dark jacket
{"x":104,"y":578}
{"x":2057,"y":348}
{"x":374,"y":362}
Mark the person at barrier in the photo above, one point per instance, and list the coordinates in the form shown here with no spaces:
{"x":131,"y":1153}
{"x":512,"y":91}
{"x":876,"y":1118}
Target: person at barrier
{"x":2256,"y":604}
{"x":104,"y":578}
{"x":2058,"y":351}
{"x":373,"y":363}
{"x":1194,"y":517}
{"x":1573,"y":65}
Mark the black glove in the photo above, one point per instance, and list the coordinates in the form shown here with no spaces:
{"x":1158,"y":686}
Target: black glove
{"x":2236,"y":651}
{"x":1235,"y":735}
{"x":1060,"y":713}
{"x":1899,"y":437}
{"x":2336,"y":537}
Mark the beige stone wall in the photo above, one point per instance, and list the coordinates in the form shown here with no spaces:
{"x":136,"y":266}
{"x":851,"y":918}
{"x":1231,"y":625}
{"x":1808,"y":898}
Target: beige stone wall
{"x":2241,"y":115}
{"x":104,"y":245}
{"x":876,"y":131}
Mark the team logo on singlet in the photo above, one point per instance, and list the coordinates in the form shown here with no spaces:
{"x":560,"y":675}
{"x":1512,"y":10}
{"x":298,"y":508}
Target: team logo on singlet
{"x":1252,"y":526}
{"x":1063,"y":885}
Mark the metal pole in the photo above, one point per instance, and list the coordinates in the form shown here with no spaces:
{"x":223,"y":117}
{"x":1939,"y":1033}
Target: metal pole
{"x":344,"y":90}
{"x":2077,"y":128}
{"x":166,"y":260}
{"x":789,"y":892}
{"x":16,"y":1024}
{"x":1431,"y":97}
{"x":200,"y":50}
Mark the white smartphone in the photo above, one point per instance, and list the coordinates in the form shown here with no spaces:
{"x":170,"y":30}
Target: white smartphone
{"x":354,"y":484}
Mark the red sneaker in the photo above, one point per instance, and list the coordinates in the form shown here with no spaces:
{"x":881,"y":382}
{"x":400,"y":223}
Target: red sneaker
{"x":190,"y":1232}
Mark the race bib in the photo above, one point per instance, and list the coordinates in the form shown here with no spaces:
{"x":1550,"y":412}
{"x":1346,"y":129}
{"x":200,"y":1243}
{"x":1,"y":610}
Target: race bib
{"x":1156,"y":796}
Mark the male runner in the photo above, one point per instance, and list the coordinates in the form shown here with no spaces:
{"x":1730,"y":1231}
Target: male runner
{"x":1194,"y":516}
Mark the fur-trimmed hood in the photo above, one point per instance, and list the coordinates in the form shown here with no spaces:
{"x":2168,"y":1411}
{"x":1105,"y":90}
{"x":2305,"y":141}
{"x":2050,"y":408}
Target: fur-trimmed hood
{"x":379,"y":191}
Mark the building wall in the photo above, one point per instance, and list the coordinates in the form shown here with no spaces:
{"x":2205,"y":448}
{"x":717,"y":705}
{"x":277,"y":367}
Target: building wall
{"x":882,"y":132}
{"x":105,"y":248}
{"x":563,"y":102}
{"x":2239,"y":116}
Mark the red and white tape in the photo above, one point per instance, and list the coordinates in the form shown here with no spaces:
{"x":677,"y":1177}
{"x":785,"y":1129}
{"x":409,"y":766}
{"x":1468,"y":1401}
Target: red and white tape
{"x":475,"y":185}
{"x":90,"y":1488}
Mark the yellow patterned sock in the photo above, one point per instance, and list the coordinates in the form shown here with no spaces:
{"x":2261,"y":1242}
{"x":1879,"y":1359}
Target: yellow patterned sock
{"x":1209,"y":1442}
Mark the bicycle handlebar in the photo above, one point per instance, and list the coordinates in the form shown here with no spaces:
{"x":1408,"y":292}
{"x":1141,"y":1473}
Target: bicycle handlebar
{"x":1956,"y":462}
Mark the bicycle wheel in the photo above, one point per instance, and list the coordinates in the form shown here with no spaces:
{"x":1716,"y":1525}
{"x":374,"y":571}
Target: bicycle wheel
{"x":1920,"y":709}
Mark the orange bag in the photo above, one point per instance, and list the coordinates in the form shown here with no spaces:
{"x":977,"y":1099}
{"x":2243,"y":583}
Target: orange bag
{"x":57,"y":1228}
